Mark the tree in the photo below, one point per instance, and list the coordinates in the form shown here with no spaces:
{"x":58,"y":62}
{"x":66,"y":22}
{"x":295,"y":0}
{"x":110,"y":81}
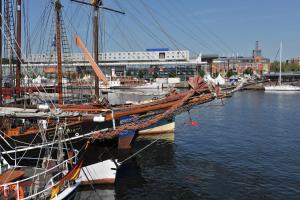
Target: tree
{"x":201,"y":73}
{"x":230,"y":73}
{"x":155,"y":75}
{"x":128,"y":73}
{"x":215,"y":75}
{"x":249,"y":71}
{"x":274,"y":67}
{"x":286,"y":67}
{"x":140,"y":74}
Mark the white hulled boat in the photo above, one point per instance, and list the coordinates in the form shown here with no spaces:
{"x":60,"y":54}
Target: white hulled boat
{"x":281,"y":87}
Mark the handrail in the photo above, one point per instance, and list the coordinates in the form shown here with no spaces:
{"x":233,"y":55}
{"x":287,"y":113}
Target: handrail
{"x":51,"y":143}
{"x":40,"y":192}
{"x":39,"y":174}
{"x":7,"y":154}
{"x":6,"y":141}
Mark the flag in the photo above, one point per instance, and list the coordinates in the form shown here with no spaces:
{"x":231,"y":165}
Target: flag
{"x":71,"y":175}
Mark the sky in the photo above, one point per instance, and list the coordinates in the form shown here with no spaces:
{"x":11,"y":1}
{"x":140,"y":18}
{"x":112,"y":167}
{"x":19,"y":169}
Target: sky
{"x":226,"y":28}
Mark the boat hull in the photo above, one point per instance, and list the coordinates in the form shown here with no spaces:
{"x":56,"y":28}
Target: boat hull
{"x":76,"y":134}
{"x":282,"y":88}
{"x":101,"y":173}
{"x":70,"y":193}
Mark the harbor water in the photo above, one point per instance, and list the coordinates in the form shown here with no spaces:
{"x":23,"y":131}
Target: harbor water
{"x":248,"y":148}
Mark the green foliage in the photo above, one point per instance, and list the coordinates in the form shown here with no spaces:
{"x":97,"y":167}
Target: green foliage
{"x":134,"y":73}
{"x":215,"y":75}
{"x":275,"y":67}
{"x":140,"y":74}
{"x":155,"y":75}
{"x":230,"y":73}
{"x":128,"y":73}
{"x":201,"y":73}
{"x":249,"y":71}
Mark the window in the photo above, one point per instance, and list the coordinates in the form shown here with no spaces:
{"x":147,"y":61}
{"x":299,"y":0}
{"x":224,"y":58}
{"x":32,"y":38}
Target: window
{"x":162,"y":55}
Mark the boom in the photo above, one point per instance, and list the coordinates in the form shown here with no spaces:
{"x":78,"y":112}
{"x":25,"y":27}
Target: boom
{"x":88,"y":56}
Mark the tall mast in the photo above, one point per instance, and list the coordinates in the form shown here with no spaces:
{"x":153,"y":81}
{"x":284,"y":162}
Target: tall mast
{"x":1,"y":53}
{"x":58,"y":50}
{"x":18,"y":50}
{"x":96,"y":4}
{"x":280,"y":64}
{"x":9,"y":31}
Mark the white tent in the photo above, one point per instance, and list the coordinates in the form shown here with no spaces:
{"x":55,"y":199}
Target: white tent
{"x":37,"y":80}
{"x":26,"y":80}
{"x":219,"y":80}
{"x":208,"y":78}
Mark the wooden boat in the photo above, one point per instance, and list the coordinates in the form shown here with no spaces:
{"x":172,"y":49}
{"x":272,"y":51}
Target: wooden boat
{"x":99,"y":120}
{"x":167,"y":128}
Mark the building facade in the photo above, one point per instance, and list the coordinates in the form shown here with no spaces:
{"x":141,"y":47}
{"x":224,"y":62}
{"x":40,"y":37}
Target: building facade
{"x":239,"y":64}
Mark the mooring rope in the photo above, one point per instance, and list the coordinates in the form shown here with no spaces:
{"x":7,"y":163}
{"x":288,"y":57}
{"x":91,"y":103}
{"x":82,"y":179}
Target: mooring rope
{"x":139,"y":151}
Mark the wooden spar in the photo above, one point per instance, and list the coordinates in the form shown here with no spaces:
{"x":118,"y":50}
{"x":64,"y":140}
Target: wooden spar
{"x":96,"y":43}
{"x":157,"y":105}
{"x":1,"y":53}
{"x":10,"y":176}
{"x":18,"y":50}
{"x":88,"y":56}
{"x":58,"y":49}
{"x":119,"y":114}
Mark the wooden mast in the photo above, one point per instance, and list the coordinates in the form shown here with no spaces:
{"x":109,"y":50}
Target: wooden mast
{"x":1,"y":53}
{"x":18,"y":50}
{"x":96,"y":4}
{"x":58,"y":50}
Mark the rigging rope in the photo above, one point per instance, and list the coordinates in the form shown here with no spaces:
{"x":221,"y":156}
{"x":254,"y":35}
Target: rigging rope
{"x":199,"y":87}
{"x":19,"y":57}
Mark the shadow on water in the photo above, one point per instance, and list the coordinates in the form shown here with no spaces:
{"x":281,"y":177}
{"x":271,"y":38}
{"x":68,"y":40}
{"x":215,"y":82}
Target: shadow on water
{"x":135,"y":175}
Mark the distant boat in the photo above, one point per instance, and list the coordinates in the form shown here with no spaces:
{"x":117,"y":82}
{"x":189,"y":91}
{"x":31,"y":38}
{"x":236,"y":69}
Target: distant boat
{"x":281,"y":87}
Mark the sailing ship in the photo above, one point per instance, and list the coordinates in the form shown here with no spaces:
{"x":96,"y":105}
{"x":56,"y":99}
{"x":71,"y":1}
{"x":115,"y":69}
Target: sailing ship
{"x":280,"y":86}
{"x":55,"y":176}
{"x":101,"y":121}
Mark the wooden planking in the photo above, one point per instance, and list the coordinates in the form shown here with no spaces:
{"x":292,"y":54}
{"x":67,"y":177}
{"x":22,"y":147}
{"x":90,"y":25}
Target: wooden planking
{"x":10,"y":175}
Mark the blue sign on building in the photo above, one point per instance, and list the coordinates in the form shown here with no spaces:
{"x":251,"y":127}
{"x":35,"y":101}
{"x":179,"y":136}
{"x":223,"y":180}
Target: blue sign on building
{"x":158,"y":49}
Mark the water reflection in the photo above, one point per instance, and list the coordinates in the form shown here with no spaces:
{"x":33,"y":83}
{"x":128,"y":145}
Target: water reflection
{"x":247,"y":149}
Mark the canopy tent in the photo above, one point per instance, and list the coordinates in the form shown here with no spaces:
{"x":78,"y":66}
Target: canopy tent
{"x":219,"y":80}
{"x":208,"y":78}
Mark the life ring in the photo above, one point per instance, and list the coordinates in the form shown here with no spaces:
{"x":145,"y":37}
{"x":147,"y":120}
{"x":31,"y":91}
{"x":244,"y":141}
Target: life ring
{"x":19,"y":193}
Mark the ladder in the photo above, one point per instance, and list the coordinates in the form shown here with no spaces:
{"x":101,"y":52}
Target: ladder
{"x":10,"y":45}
